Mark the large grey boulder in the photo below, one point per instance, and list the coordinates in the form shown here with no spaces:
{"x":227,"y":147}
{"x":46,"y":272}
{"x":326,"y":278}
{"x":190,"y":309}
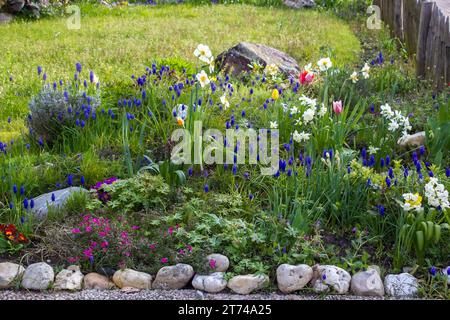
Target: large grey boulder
{"x":291,"y":278}
{"x":299,"y":4}
{"x":14,"y":6}
{"x":95,"y":281}
{"x":217,"y":262}
{"x":330,"y":278}
{"x":401,"y":285}
{"x":45,"y":201}
{"x":412,"y":140}
{"x":69,"y":279}
{"x":173,"y":277}
{"x":246,"y":284}
{"x":38,"y":276}
{"x":129,"y":278}
{"x":367,"y":283}
{"x":9,"y":272}
{"x":238,"y":58}
{"x":212,"y":283}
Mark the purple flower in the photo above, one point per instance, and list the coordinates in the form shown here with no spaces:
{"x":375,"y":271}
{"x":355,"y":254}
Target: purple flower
{"x":70,"y":180}
{"x":391,"y":172}
{"x":422,"y":150}
{"x":388,"y":182}
{"x":78,"y":67}
{"x":381,"y":210}
{"x":25,"y":203}
{"x":206,"y":188}
{"x":39,"y":70}
{"x":53,"y":197}
{"x":432,"y":271}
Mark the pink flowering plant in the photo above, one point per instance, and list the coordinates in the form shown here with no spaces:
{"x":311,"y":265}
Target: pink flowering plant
{"x":117,"y":242}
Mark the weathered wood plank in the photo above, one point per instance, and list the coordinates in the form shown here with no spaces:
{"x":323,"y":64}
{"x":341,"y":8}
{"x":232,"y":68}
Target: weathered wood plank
{"x":424,"y":27}
{"x":424,"y":24}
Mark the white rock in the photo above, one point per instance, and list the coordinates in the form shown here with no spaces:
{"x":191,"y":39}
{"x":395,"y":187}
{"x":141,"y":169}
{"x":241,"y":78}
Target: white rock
{"x":221,"y":262}
{"x":210,"y":283}
{"x":412,"y":140}
{"x":43,"y":202}
{"x":328,"y":278}
{"x":401,"y":285}
{"x":173,"y":277}
{"x":133,"y":279}
{"x":291,"y":278}
{"x":8,"y":273}
{"x":367,"y":283}
{"x":69,"y":279}
{"x":38,"y":276}
{"x":247,"y":283}
{"x":446,"y":271}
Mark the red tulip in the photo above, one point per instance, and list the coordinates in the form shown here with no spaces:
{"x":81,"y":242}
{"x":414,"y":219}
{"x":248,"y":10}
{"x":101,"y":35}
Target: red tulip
{"x":306,"y":77}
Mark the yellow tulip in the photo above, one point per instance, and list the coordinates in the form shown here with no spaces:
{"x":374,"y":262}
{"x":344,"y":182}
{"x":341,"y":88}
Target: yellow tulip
{"x":275,"y":94}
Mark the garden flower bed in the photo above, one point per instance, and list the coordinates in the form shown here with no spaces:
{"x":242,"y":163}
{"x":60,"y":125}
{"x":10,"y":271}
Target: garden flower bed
{"x":332,"y":178}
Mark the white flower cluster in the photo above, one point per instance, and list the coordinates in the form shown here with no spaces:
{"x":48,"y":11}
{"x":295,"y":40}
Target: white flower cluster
{"x":412,"y":202}
{"x":300,"y":136}
{"x":436,"y":194}
{"x":396,"y":119}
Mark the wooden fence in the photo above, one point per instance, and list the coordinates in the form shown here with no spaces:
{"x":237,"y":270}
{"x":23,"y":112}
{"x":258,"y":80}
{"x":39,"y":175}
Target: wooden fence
{"x":424,"y":27}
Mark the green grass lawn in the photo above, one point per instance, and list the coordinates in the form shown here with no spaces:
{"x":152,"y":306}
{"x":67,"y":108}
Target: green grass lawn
{"x":116,"y":43}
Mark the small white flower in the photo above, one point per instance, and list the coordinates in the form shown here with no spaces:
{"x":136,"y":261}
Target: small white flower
{"x":224,"y":101}
{"x":372,"y":150}
{"x":354,"y":77}
{"x":302,"y":136}
{"x":365,"y":71}
{"x":273,"y":125}
{"x":308,"y":115}
{"x":211,"y":65}
{"x":271,"y":69}
{"x":393,"y":126}
{"x":202,"y":77}
{"x":324,"y":64}
{"x":203,"y":53}
{"x":307,"y":101}
{"x":308,"y":68}
{"x":322,"y":110}
{"x":294,"y":110}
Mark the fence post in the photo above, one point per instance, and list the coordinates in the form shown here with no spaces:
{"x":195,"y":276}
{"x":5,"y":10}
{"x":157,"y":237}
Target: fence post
{"x":424,"y":25}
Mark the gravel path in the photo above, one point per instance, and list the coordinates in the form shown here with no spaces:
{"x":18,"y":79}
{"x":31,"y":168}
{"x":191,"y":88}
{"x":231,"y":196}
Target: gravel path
{"x":185,"y":294}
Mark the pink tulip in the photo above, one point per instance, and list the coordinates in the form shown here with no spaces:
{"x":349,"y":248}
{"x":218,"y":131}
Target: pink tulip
{"x":337,"y":107}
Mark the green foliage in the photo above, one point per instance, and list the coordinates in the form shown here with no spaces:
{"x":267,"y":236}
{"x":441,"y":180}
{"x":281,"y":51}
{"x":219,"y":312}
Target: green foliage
{"x":141,"y":192}
{"x":438,"y":134}
{"x":419,"y":231}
